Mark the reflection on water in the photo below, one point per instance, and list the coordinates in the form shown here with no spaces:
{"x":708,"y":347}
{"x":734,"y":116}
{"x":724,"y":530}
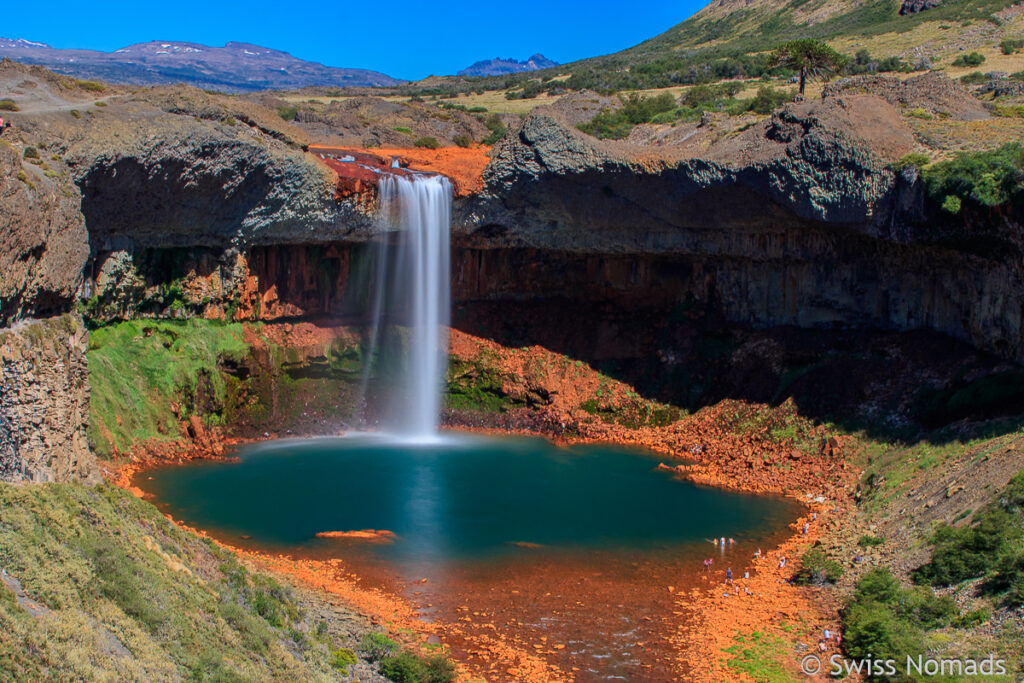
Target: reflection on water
{"x":575,"y":546}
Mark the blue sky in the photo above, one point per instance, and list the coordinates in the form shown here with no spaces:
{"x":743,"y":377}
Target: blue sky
{"x":402,"y":38}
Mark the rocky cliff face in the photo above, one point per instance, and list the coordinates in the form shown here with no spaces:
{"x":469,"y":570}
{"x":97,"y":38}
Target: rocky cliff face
{"x":798,"y":220}
{"x":44,"y":402}
{"x":44,"y":240}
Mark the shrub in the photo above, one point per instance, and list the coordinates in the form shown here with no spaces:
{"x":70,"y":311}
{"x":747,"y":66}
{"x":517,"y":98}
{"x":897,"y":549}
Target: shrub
{"x":991,"y":547}
{"x":1010,"y":111}
{"x":288,"y":113}
{"x":463,"y":140}
{"x":975,"y":617}
{"x":870,"y":541}
{"x":919,"y":113}
{"x":408,"y":667}
{"x":616,"y":124}
{"x":76,"y":114}
{"x":973,"y":78}
{"x":963,"y":553}
{"x":377,"y":646}
{"x":343,"y":658}
{"x":92,"y":86}
{"x":952,"y":204}
{"x":402,"y":129}
{"x":818,"y":569}
{"x":497,"y":128}
{"x":972,"y":59}
{"x":101,"y":103}
{"x":1011,"y":45}
{"x":427,"y":142}
{"x":915,"y":159}
{"x":986,"y":179}
{"x":31,"y":153}
{"x":884,"y":621}
{"x":768,"y":99}
{"x":8,"y":105}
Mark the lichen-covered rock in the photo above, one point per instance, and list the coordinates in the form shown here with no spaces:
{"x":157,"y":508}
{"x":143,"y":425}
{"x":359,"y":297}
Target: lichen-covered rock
{"x":44,"y":402}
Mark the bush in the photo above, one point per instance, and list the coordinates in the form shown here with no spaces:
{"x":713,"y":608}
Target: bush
{"x":31,"y":153}
{"x":884,"y":621}
{"x":288,"y":113}
{"x":616,"y":124}
{"x":952,"y":204}
{"x":76,"y":114}
{"x":463,"y":140}
{"x":920,"y":113}
{"x":973,"y":78}
{"x":991,"y":547}
{"x":8,"y":105}
{"x":914,"y":159}
{"x":870,"y":541}
{"x":92,"y":86}
{"x":497,"y":128}
{"x":343,"y":658}
{"x":984,"y":179}
{"x":1011,"y":45}
{"x":427,"y":142}
{"x":972,"y":59}
{"x":768,"y":99}
{"x":377,"y":646}
{"x":818,"y":569}
{"x":408,"y":667}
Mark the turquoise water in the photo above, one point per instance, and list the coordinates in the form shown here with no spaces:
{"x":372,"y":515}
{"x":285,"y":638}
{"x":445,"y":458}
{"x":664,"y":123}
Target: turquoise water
{"x":462,"y":497}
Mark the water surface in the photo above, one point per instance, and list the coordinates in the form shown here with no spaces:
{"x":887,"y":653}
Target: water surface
{"x":576,"y":546}
{"x":457,"y":497}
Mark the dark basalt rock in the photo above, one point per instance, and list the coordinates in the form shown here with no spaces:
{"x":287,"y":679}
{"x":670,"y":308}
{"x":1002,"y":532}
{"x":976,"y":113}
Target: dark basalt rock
{"x":915,"y":6}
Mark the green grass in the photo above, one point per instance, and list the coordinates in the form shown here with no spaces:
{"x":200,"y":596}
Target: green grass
{"x":137,"y":369}
{"x":131,"y":597}
{"x":761,"y":657}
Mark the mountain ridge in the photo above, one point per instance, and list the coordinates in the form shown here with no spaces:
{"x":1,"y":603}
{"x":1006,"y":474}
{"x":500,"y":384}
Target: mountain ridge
{"x":235,"y":67}
{"x":500,"y":66}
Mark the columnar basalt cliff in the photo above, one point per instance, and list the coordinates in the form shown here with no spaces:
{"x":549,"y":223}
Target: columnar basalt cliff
{"x":44,"y":402}
{"x":799,"y":220}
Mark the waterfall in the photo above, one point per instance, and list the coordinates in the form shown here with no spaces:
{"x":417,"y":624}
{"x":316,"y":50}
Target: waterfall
{"x":411,"y":291}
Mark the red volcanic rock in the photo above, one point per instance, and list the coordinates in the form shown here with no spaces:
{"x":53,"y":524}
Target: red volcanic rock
{"x":462,"y":166}
{"x":370,"y":535}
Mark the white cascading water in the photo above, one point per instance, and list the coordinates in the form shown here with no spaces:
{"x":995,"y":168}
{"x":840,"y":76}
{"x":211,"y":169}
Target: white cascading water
{"x":414,"y":285}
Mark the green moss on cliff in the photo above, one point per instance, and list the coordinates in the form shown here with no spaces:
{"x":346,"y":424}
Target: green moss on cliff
{"x":138,"y":369}
{"x":119,"y":593}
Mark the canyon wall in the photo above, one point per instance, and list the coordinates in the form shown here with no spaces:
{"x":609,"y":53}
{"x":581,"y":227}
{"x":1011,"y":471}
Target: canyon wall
{"x":44,"y":402}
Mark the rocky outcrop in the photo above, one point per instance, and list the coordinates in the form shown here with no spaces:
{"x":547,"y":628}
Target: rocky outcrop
{"x":44,"y":240}
{"x":191,"y":186}
{"x":933,"y":92}
{"x":551,"y":186}
{"x":915,"y":6}
{"x":44,"y":402}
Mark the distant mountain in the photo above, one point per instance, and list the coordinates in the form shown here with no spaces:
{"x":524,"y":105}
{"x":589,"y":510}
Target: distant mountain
{"x":500,"y":67}
{"x":236,"y":67}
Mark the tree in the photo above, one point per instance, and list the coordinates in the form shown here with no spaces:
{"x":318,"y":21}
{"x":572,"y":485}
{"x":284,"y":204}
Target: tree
{"x":812,"y":58}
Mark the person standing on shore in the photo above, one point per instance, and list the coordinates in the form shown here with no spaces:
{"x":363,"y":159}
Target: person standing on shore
{"x":728,"y":575}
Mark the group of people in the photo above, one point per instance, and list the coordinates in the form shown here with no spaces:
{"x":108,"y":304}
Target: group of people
{"x":4,"y":125}
{"x":829,"y":637}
